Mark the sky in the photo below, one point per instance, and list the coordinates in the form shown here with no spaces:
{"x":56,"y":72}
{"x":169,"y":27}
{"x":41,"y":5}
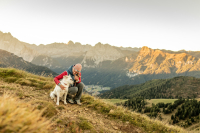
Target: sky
{"x":158,"y":24}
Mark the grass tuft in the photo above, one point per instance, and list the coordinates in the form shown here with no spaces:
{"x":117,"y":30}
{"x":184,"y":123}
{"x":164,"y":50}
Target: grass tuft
{"x":20,"y":94}
{"x":23,"y":81}
{"x":20,"y":117}
{"x":48,"y":107}
{"x":61,"y":107}
{"x":11,"y":79}
{"x":85,"y":124}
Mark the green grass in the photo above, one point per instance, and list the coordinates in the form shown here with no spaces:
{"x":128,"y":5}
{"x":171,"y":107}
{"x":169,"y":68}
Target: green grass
{"x":155,"y":101}
{"x":149,"y":102}
{"x":12,"y":75}
{"x":85,"y":124}
{"x":198,"y":99}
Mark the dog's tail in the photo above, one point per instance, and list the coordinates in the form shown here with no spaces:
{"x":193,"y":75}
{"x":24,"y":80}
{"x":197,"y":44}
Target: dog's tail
{"x":52,"y":95}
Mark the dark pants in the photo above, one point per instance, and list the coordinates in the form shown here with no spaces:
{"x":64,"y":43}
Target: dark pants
{"x":76,"y":90}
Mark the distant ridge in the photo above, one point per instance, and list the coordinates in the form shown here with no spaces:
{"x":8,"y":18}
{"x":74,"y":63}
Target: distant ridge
{"x":10,"y":60}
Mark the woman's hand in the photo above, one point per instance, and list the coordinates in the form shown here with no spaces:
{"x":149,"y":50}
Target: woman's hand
{"x":62,"y":87}
{"x":76,"y":78}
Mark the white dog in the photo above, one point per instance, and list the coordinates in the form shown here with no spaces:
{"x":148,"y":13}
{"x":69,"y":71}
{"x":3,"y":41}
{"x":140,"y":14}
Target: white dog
{"x":65,"y":81}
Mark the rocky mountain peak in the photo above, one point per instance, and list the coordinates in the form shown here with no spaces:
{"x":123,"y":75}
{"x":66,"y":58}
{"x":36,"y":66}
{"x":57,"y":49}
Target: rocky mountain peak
{"x":98,"y":45}
{"x":13,"y":45}
{"x":7,"y":36}
{"x":70,"y":43}
{"x":145,"y":51}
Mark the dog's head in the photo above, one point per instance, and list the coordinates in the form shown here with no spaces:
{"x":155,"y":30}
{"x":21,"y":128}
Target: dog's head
{"x":68,"y":79}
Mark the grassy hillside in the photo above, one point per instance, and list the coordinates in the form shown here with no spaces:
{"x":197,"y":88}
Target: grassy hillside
{"x":114,"y":101}
{"x":32,"y":110}
{"x":159,"y":88}
{"x":181,"y":112}
{"x":184,"y":114}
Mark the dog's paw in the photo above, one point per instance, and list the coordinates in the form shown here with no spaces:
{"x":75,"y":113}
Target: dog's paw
{"x":52,"y":95}
{"x":57,"y":104}
{"x":65,"y":102}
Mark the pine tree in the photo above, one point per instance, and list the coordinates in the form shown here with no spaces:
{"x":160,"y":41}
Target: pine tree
{"x":172,"y":117}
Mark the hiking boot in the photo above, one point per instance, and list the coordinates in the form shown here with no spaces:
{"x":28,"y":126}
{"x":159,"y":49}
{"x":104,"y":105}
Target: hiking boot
{"x":70,"y":101}
{"x":78,"y":102}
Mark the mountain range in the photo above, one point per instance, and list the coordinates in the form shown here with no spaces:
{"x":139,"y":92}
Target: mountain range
{"x":107,"y":65}
{"x":149,"y":61}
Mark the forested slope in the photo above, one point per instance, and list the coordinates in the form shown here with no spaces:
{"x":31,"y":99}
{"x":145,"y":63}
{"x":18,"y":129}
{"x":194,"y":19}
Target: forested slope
{"x":185,"y":87}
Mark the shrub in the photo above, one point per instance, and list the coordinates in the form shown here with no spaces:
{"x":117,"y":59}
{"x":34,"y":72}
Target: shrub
{"x":23,"y":81}
{"x":85,"y":124}
{"x":49,"y":108}
{"x":11,"y":79}
{"x":10,"y":72}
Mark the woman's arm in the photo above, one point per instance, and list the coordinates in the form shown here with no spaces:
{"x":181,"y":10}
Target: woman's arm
{"x":57,"y":78}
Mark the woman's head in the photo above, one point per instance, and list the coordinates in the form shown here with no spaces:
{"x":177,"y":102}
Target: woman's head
{"x":77,"y":69}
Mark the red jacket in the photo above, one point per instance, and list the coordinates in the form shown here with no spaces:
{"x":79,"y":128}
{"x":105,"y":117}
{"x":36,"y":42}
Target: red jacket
{"x":57,"y":78}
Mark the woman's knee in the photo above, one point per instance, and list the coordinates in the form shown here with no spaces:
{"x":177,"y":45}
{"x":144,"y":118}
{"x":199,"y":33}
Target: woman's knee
{"x":73,"y":90}
{"x":81,"y":85}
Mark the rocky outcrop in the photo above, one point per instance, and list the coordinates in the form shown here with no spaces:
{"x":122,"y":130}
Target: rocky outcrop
{"x":151,"y":61}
